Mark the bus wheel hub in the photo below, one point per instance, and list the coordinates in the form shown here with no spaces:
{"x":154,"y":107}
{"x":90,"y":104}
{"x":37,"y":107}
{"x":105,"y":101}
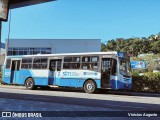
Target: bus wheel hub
{"x":90,"y":87}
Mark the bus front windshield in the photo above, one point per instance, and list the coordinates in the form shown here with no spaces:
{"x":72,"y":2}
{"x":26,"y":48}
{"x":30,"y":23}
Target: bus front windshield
{"x":125,"y":67}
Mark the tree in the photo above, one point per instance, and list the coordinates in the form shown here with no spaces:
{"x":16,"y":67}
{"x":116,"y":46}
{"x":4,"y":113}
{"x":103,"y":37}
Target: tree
{"x":134,"y":46}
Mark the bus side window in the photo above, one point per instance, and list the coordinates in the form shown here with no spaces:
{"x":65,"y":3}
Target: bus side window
{"x":27,"y":63}
{"x":8,"y":63}
{"x":90,"y":62}
{"x":84,"y":66}
{"x":71,"y":63}
{"x":40,"y":63}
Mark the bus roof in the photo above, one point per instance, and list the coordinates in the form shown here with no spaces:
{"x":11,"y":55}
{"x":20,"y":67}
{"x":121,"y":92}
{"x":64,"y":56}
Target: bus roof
{"x":65,"y":54}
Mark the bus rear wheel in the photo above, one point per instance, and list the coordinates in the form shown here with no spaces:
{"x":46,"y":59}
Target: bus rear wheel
{"x":30,"y":84}
{"x":89,"y":86}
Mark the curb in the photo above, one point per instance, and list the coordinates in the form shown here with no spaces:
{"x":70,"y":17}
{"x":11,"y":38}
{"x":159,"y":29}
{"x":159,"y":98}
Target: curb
{"x":10,"y":86}
{"x":108,"y":92}
{"x":134,"y":93}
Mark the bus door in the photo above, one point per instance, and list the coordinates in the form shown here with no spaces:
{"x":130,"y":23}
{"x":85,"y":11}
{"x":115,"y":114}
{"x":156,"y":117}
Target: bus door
{"x":114,"y":75}
{"x":105,"y":72}
{"x":15,"y":71}
{"x":54,"y":71}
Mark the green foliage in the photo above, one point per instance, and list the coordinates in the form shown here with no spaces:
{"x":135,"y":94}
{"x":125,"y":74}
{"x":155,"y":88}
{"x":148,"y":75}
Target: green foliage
{"x":149,"y":82}
{"x":137,"y":83}
{"x":134,"y":46}
{"x":138,"y":71}
{"x":103,"y":47}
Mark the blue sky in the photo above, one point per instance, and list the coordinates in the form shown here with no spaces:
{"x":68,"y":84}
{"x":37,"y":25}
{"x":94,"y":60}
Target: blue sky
{"x":91,"y":19}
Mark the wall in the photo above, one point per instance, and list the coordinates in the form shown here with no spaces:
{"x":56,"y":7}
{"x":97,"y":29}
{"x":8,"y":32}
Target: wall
{"x":60,"y":45}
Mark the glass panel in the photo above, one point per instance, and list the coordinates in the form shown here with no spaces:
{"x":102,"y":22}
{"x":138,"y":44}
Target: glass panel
{"x":125,"y":67}
{"x":105,"y":65}
{"x":36,"y":60}
{"x":43,"y":49}
{"x":26,"y":63}
{"x":20,"y":52}
{"x":27,"y":60}
{"x":44,"y":60}
{"x":76,"y":59}
{"x":37,"y":49}
{"x":8,"y":63}
{"x":31,"y":48}
{"x":25,"y":48}
{"x":10,"y":49}
{"x":86,"y":59}
{"x":94,"y":59}
{"x":9,"y":53}
{"x":59,"y":63}
{"x":20,"y":48}
{"x":36,"y":52}
{"x":25,"y":52}
{"x":26,"y":66}
{"x":15,"y":49}
{"x":114,"y":67}
{"x":71,"y":65}
{"x":52,"y":65}
{"x":48,"y":52}
{"x":40,"y":63}
{"x":90,"y":62}
{"x":68,"y":59}
{"x":43,"y":52}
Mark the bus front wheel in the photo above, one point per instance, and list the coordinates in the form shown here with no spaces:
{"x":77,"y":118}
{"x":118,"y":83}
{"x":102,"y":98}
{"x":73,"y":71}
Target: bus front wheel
{"x":90,"y":86}
{"x":30,"y":84}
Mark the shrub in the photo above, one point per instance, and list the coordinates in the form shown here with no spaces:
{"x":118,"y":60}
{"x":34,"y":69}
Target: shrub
{"x":149,"y":82}
{"x":138,"y":71}
{"x":137,"y":84}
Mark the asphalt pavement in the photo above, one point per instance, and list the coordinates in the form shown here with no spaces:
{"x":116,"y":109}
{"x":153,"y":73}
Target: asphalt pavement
{"x":76,"y":103}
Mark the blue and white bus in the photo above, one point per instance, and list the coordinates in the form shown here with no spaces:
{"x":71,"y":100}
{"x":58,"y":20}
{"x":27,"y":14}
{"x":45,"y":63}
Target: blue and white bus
{"x":90,"y":71}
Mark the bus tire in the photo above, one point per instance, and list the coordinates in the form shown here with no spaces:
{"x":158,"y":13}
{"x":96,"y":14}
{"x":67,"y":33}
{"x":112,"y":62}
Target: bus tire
{"x":30,"y":85}
{"x":90,"y":86}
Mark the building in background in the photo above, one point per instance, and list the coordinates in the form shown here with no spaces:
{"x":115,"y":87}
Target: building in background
{"x":2,"y":49}
{"x":51,"y":46}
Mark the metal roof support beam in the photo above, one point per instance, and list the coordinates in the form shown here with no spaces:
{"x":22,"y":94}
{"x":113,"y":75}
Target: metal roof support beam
{"x":22,"y":3}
